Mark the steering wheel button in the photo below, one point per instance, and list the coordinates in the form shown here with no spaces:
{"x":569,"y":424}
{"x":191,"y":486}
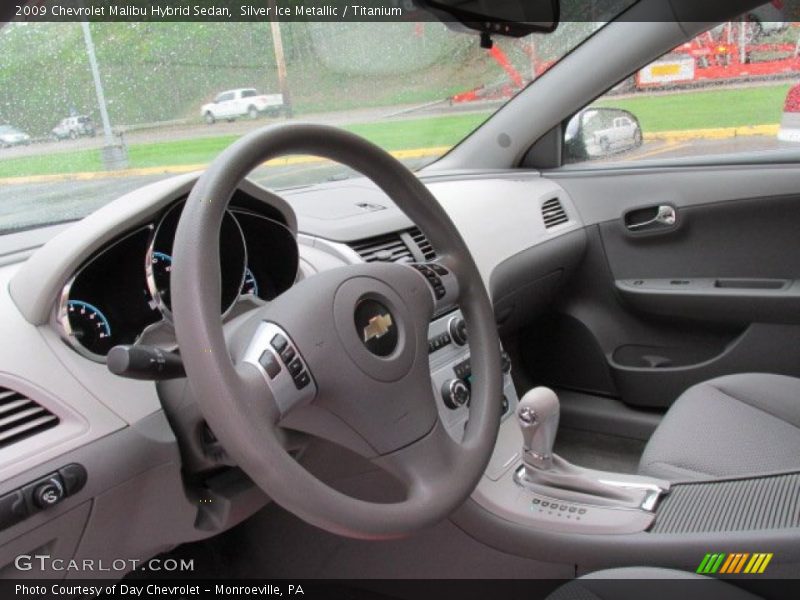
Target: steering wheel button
{"x":295,"y":367}
{"x":279,"y":343}
{"x":302,"y":380}
{"x":439,"y":269}
{"x":287,"y":355}
{"x":440,"y":292}
{"x":270,"y":363}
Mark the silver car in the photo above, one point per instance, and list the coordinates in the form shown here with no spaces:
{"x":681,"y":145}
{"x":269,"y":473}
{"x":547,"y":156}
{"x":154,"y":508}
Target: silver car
{"x":11,"y":136}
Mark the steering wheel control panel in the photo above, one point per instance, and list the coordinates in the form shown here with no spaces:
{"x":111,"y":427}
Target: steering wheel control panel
{"x":451,"y":373}
{"x":272,"y":352}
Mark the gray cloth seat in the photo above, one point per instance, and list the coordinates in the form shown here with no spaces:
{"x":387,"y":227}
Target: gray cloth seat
{"x":635,"y":583}
{"x":729,"y":426}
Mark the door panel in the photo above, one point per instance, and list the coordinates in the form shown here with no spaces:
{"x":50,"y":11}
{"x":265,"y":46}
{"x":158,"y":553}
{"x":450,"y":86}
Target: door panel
{"x":755,"y":238}
{"x":649,"y":314}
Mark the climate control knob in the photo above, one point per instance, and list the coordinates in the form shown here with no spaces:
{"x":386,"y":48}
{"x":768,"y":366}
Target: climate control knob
{"x":458,"y":330}
{"x":455,"y":393}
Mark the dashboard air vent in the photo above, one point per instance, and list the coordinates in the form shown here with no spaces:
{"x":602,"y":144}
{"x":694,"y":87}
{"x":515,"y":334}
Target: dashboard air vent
{"x":21,"y":417}
{"x":553,"y":213}
{"x":383,"y":248}
{"x":422,"y":243}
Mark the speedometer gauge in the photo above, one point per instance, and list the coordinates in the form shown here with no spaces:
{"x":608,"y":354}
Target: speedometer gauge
{"x":89,"y":326}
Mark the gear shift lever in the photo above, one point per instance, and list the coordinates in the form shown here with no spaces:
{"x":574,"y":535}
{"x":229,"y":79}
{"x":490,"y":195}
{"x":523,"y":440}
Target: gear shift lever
{"x":537,"y":415}
{"x":550,"y":475}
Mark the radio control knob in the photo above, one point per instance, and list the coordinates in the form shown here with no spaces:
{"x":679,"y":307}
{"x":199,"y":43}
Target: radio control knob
{"x":455,"y":393}
{"x":458,"y":330}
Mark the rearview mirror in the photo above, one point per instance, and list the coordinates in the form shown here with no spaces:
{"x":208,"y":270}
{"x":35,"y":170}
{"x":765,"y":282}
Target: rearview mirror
{"x":601,"y":132}
{"x":515,"y":18}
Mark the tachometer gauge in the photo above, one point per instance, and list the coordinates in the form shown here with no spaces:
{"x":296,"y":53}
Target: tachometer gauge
{"x":89,"y":326}
{"x":250,"y":285}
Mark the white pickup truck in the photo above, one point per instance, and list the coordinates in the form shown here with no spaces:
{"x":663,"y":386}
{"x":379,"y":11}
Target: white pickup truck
{"x":243,"y":102}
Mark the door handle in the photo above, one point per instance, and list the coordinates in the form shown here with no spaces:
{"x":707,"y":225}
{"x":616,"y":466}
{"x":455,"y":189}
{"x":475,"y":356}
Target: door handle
{"x":665,"y":216}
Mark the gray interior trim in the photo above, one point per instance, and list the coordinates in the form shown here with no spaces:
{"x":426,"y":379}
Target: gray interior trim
{"x":514,"y":222}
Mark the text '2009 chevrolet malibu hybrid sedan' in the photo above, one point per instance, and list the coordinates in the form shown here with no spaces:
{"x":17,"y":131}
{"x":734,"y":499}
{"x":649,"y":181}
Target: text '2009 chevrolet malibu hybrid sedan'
{"x":501,"y":292}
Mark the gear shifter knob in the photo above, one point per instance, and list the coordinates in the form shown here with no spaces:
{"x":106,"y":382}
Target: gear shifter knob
{"x":537,"y":415}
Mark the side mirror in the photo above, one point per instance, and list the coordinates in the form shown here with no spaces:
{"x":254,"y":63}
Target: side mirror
{"x":596,"y":133}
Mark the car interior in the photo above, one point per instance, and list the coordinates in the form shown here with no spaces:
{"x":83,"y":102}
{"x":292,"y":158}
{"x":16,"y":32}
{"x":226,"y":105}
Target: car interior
{"x":505,"y":365}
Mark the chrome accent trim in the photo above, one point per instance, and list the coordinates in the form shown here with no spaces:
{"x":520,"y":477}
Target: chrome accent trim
{"x":338,"y":250}
{"x":665,"y":215}
{"x":648,"y":503}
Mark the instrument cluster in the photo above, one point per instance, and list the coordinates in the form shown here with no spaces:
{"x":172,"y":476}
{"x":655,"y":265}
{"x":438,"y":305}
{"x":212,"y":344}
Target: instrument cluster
{"x":124,"y":290}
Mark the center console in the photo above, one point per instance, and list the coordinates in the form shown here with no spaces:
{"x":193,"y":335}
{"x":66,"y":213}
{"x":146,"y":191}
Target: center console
{"x":451,"y":373}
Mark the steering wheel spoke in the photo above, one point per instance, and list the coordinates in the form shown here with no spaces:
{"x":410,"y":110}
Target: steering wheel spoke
{"x":419,"y":466}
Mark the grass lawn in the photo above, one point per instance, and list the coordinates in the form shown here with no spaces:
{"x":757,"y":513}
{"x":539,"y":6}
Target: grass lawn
{"x":68,"y":162}
{"x":703,"y":109}
{"x":391,"y":135}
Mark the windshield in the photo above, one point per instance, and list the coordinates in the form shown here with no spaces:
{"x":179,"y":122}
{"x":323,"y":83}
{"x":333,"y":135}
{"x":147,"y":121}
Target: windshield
{"x":166,"y":98}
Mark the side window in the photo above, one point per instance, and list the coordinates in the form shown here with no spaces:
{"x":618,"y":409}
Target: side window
{"x":733,"y":89}
{"x":248,"y":93}
{"x":226,"y":97}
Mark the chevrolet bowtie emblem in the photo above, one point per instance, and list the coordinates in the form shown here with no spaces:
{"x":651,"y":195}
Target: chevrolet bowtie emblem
{"x":378,"y":327}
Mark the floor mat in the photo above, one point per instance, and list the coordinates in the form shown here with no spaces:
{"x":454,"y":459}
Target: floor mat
{"x":599,"y":450}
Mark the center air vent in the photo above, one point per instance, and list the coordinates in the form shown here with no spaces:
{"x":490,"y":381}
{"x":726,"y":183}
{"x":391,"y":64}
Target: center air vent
{"x":422,"y":243}
{"x":21,"y":417}
{"x":383,"y":248}
{"x":553,"y":213}
{"x":410,"y":245}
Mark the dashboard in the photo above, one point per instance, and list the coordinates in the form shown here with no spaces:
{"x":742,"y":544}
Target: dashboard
{"x":122,"y":292}
{"x":69,"y":293}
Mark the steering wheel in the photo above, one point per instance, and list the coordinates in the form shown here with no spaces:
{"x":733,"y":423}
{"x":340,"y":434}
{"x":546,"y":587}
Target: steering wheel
{"x":342,"y":354}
